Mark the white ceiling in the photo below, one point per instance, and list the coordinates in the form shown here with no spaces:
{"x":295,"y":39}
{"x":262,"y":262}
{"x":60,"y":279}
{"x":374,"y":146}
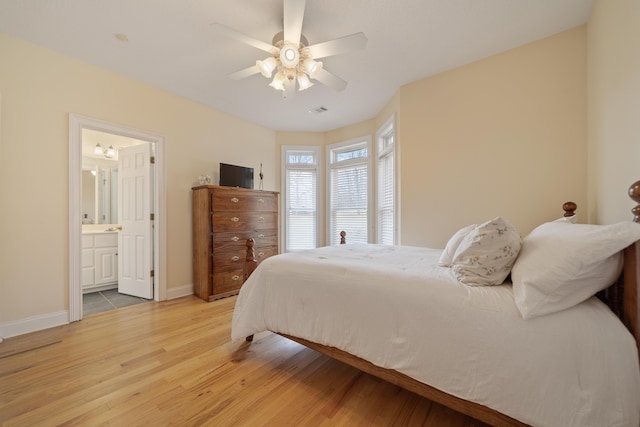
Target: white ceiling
{"x":172,"y":46}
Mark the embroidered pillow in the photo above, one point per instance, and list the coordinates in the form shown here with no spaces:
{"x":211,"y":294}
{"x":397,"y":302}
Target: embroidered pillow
{"x":563,"y":264}
{"x":446,"y":257}
{"x":485,"y":256}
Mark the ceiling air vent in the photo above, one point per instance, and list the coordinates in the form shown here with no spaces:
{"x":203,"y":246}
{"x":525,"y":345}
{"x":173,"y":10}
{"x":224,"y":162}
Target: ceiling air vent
{"x":318,"y":110}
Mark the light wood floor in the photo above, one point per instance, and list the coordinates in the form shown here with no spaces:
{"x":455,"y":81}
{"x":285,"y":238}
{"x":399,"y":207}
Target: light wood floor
{"x":172,"y":363}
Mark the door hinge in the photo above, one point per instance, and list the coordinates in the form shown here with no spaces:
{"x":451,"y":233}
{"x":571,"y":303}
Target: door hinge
{"x":152,"y":273}
{"x":152,"y":159}
{"x":152,"y":217}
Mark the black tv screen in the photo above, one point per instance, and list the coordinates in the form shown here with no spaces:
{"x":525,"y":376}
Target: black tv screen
{"x":236,"y":176}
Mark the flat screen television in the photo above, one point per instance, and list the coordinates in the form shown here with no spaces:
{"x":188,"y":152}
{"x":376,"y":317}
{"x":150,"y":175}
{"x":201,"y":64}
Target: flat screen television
{"x":236,"y":176}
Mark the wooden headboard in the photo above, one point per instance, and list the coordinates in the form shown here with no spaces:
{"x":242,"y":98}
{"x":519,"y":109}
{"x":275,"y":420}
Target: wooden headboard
{"x":622,"y":296}
{"x":631,"y":275}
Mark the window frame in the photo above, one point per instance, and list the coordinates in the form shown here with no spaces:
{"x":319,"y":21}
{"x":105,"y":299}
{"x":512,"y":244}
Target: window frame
{"x":331,"y":164}
{"x":386,"y":129}
{"x":285,"y":151}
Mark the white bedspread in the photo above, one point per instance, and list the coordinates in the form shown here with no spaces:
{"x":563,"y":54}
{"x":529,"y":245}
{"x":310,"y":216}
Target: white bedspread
{"x":393,"y":306}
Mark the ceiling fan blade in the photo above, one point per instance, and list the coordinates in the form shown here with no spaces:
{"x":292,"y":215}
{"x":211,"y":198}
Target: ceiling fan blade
{"x":289,"y":89}
{"x":230,"y":32}
{"x":244,"y":73}
{"x":344,"y":44}
{"x":331,"y":80}
{"x":293,"y":17}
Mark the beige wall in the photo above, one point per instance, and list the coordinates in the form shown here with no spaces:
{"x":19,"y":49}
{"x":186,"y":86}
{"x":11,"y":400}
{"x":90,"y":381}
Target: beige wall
{"x":39,"y":89}
{"x":614,"y":107}
{"x":502,"y":136}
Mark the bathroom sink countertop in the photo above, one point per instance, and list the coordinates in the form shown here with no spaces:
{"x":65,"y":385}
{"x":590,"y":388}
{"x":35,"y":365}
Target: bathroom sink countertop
{"x":98,"y":228}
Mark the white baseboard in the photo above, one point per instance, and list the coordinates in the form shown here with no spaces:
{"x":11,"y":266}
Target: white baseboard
{"x":50,"y":320}
{"x":182,"y":291}
{"x":32,"y":324}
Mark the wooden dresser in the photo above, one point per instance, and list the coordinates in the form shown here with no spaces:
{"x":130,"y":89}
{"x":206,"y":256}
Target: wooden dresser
{"x":223,"y":219}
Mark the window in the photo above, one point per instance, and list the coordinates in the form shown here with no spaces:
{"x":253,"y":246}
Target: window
{"x":386,"y":188}
{"x":349,"y":188}
{"x":300,"y":199}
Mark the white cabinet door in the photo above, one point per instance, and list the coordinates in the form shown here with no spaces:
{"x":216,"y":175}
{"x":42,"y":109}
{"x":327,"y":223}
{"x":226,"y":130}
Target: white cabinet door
{"x":88,"y":261}
{"x":106,"y":265}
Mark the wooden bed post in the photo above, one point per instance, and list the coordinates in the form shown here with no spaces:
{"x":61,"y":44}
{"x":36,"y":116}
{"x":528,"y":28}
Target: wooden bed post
{"x":250,"y":260}
{"x":569,"y":209}
{"x":250,"y":265}
{"x":631,"y":280}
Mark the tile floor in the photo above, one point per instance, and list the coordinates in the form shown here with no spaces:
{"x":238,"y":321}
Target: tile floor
{"x":97,"y":302}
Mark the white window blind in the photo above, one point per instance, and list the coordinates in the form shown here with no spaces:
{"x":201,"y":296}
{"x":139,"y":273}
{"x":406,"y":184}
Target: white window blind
{"x":385,"y":205}
{"x":349,"y":192}
{"x":301,"y":192}
{"x":385,"y":200}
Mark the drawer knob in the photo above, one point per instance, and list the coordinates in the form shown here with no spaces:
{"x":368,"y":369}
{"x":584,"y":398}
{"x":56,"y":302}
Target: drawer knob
{"x":235,"y":258}
{"x":260,"y":218}
{"x":235,"y":238}
{"x":234,"y":200}
{"x":235,"y":277}
{"x":260,"y":200}
{"x":235,"y":219}
{"x":261,"y":236}
{"x":260,"y":254}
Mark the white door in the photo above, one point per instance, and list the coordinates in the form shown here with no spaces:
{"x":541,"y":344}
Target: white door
{"x":135,"y":241}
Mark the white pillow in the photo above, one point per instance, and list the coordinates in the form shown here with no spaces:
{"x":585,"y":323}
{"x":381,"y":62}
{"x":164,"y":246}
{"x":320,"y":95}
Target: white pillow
{"x":486,"y":254}
{"x":563,"y":264}
{"x":573,"y":219}
{"x":446,"y":257}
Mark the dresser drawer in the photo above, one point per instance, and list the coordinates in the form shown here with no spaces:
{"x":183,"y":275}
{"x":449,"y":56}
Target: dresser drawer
{"x":227,"y":281}
{"x":238,"y":239}
{"x":244,"y":221}
{"x":243,"y":201}
{"x":228,"y":261}
{"x":263,"y":252}
{"x":233,"y":259}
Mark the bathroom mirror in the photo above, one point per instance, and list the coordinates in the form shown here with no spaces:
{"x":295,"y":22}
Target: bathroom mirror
{"x":99,"y":192}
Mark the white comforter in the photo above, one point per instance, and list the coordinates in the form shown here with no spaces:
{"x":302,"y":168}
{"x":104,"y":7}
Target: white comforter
{"x":393,"y":306}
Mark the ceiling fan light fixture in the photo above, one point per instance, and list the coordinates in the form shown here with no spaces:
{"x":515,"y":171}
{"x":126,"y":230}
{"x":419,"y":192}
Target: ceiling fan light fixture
{"x":267,"y":66}
{"x":289,"y":56}
{"x":312,"y":67}
{"x":278,"y":81}
{"x":304,"y":82}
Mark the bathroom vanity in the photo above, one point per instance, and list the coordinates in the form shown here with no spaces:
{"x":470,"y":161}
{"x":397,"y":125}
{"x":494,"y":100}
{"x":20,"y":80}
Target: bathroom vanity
{"x":99,"y":260}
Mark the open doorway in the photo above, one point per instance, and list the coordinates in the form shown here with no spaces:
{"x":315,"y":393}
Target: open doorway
{"x":81,"y":130}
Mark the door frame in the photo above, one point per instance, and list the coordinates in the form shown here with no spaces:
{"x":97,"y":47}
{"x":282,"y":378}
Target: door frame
{"x":76,"y":124}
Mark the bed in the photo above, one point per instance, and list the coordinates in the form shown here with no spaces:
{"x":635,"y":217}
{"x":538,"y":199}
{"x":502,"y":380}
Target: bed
{"x":486,"y":351}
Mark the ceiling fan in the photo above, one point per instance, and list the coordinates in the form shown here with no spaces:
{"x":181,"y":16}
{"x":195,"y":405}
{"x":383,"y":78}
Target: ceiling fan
{"x":290,"y":56}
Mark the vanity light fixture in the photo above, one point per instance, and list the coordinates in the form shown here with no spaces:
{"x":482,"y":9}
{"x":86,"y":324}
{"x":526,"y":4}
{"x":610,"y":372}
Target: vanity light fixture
{"x":109,"y":153}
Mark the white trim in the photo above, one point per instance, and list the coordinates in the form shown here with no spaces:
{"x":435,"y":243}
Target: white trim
{"x":180,"y":292}
{"x":388,"y":127}
{"x":76,"y":124}
{"x":32,"y":324}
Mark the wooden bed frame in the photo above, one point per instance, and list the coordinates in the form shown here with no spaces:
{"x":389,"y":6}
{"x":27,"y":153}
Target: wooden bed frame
{"x":621,"y":297}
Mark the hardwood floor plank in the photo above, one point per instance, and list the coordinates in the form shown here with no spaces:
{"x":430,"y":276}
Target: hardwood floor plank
{"x":172,"y":363}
